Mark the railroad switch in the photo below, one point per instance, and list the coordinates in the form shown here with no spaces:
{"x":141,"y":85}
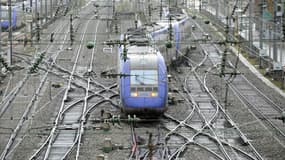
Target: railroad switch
{"x":57,"y":85}
{"x":109,"y":118}
{"x":171,"y":99}
{"x":207,"y":22}
{"x":132,"y":120}
{"x":116,"y":119}
{"x":283,"y":117}
{"x":100,"y":157}
{"x":244,"y":139}
{"x":89,"y":73}
{"x":67,"y":99}
{"x":107,"y":145}
{"x":105,"y":126}
{"x":105,"y":115}
{"x":193,"y":47}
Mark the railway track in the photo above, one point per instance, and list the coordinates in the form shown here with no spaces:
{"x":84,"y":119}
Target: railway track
{"x":209,"y":117}
{"x":67,"y":132}
{"x":8,"y":101}
{"x":64,"y":133}
{"x":261,"y":105}
{"x":264,"y":108}
{"x":207,"y":131}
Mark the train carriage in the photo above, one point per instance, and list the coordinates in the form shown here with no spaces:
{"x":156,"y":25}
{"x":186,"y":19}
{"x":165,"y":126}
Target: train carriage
{"x":144,"y":86}
{"x":144,"y":90}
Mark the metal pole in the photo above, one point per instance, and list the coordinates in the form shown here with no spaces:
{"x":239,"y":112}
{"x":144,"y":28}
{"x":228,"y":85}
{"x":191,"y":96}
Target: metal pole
{"x":160,"y":11}
{"x":282,"y":64}
{"x":10,"y":51}
{"x":36,"y":8}
{"x":275,"y":57}
{"x":217,"y":9}
{"x":283,"y":47}
{"x":270,"y":43}
{"x":46,"y":11}
{"x":261,"y":32}
{"x":41,"y":11}
{"x":261,"y":25}
{"x":31,"y":24}
{"x":250,"y":26}
{"x":0,"y":31}
{"x":114,"y":8}
{"x":51,"y":9}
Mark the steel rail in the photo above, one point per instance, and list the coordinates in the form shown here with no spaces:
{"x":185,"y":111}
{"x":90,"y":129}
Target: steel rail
{"x":26,"y":112}
{"x":222,"y":109}
{"x":255,"y":108}
{"x":59,"y":116}
{"x":83,"y":118}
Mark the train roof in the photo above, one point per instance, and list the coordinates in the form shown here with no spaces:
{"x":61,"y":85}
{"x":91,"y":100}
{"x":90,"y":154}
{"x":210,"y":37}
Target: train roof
{"x":143,"y":61}
{"x":142,"y":50}
{"x":138,"y":36}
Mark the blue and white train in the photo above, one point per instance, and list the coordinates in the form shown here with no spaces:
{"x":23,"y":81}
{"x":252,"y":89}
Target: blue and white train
{"x":144,"y":83}
{"x":180,"y":31}
{"x":5,"y":17}
{"x":20,"y":10}
{"x":144,"y":88}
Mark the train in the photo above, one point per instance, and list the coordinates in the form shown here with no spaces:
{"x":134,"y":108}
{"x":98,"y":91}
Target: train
{"x":20,"y":12}
{"x":143,"y":68}
{"x":144,"y":85}
{"x":177,"y":19}
{"x":5,"y":17}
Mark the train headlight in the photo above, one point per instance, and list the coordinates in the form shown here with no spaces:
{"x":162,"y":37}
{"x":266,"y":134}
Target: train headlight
{"x":153,"y":94}
{"x":134,"y":94}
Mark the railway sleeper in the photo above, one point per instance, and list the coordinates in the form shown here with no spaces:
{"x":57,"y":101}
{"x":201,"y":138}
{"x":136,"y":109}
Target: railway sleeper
{"x":69,"y":126}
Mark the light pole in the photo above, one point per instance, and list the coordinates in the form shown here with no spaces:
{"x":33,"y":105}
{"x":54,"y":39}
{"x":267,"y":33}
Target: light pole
{"x":283,"y":47}
{"x":262,"y":5}
{"x":51,"y":9}
{"x":0,"y":30}
{"x":274,"y":33}
{"x":9,"y":56}
{"x":46,"y":11}
{"x":31,"y":24}
{"x":250,"y":26}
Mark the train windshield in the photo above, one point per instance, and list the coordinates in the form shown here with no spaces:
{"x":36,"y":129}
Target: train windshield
{"x":144,"y":77}
{"x":4,"y":14}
